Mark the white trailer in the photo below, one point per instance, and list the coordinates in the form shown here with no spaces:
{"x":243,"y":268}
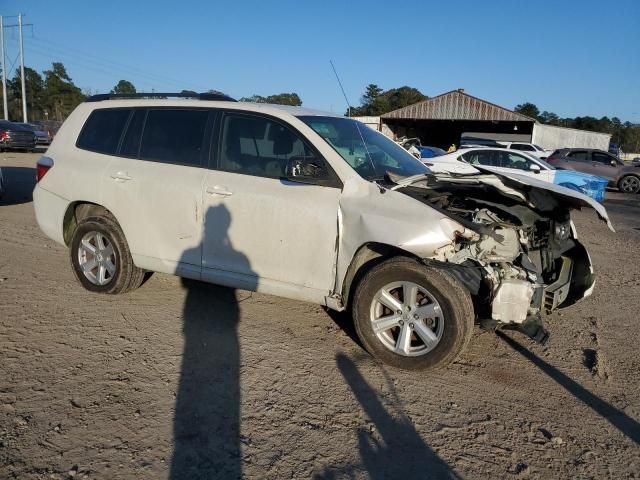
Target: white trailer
{"x":551,"y":137}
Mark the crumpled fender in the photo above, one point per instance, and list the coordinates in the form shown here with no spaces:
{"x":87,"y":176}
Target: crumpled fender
{"x":368,"y":213}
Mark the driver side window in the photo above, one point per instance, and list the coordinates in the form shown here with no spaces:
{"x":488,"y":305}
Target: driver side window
{"x":258,"y":146}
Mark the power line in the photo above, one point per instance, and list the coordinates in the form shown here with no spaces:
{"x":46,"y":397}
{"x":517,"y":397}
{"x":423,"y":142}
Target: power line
{"x":84,"y":66}
{"x":58,"y":49}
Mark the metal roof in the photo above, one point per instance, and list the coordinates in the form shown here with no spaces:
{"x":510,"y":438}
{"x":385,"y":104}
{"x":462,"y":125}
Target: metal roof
{"x":456,"y":105}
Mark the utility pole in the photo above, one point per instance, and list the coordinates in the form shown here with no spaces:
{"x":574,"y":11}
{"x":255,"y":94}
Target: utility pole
{"x":4,"y":72}
{"x":24,"y":92}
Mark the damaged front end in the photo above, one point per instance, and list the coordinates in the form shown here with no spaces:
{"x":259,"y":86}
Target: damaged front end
{"x":516,"y":249}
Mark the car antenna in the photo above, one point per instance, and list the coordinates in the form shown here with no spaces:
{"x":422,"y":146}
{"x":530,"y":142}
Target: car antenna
{"x":341,"y":88}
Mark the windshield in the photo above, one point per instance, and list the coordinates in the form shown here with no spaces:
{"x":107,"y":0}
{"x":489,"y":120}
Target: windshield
{"x":368,"y":152}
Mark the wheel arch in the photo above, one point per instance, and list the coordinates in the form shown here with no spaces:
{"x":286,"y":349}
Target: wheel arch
{"x":367,"y":256}
{"x":76,"y":211}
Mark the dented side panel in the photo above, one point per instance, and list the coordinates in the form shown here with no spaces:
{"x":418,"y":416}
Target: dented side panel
{"x":370,"y":214}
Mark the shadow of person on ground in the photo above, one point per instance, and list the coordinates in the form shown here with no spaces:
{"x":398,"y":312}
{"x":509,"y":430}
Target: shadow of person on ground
{"x":206,"y":425}
{"x":627,"y":425}
{"x":393,"y":449}
{"x":18,"y":185}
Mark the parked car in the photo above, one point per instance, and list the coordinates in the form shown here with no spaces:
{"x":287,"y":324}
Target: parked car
{"x":411,"y":145}
{"x":14,"y":136}
{"x":310,"y":206}
{"x":1,"y":184}
{"x":598,"y":162}
{"x":530,"y":148}
{"x":501,"y":160}
{"x":42,"y":136}
{"x":430,"y":152}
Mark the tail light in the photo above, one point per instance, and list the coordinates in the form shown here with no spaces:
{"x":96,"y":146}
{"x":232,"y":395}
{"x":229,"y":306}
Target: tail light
{"x":4,"y":135}
{"x":42,"y":167}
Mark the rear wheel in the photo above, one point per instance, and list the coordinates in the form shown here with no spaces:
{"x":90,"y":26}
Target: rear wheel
{"x":101,"y":259}
{"x":629,"y":184}
{"x":412,"y":316}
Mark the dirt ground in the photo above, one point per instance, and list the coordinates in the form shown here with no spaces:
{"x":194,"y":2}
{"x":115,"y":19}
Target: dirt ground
{"x":186,"y":380}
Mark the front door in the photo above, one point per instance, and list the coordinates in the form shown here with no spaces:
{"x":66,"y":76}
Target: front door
{"x":266,"y":232}
{"x":604,"y":165}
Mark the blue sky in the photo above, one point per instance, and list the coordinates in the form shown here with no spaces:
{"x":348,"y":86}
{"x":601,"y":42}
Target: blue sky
{"x":578,"y":57}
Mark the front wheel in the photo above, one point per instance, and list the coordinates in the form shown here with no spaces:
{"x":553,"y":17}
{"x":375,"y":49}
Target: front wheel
{"x":629,"y":184}
{"x":101,"y":259}
{"x":412,"y":316}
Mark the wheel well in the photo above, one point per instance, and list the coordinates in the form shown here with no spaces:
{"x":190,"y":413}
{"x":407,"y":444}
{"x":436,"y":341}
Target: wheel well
{"x":629,"y":175}
{"x":76,"y":211}
{"x":368,"y":256}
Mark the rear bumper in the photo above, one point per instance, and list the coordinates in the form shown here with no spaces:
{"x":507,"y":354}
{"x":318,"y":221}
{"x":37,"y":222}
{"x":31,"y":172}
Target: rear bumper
{"x":18,"y":144}
{"x":50,"y":210}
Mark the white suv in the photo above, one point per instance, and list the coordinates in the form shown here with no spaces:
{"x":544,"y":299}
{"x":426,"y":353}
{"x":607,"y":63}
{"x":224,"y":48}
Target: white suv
{"x":310,"y":206}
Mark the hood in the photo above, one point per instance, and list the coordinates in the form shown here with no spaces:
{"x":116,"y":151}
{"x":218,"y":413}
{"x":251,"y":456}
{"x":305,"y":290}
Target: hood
{"x":516,"y":186}
{"x":569,"y":197}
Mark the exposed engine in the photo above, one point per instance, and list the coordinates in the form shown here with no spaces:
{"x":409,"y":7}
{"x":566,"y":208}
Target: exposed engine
{"x":514,"y":256}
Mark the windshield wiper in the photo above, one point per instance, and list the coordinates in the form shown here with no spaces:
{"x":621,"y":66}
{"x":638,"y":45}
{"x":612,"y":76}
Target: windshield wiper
{"x":406,"y":181}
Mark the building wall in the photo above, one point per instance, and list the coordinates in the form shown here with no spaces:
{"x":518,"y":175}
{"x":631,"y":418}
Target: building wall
{"x":373,"y":122}
{"x":551,"y":137}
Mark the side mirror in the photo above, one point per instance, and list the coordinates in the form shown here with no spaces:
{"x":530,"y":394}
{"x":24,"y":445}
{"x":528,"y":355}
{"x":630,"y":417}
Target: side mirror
{"x":614,"y":163}
{"x":534,"y":167}
{"x":304,"y":169}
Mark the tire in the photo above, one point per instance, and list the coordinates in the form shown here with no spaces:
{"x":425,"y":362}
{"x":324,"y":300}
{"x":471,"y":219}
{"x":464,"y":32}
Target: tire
{"x":451,"y":319}
{"x":629,"y":184}
{"x":121,"y":275}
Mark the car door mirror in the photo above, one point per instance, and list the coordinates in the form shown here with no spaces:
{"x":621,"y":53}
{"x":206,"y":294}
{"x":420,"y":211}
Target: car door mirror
{"x":534,"y":167}
{"x":305,"y":170}
{"x":614,"y":163}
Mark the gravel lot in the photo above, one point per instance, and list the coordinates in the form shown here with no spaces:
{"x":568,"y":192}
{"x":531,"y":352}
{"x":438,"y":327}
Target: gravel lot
{"x":187,"y":380}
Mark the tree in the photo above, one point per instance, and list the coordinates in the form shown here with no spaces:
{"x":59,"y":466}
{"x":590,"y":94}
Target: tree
{"x":549,"y":118}
{"x":124,"y":87}
{"x":61,"y":95}
{"x":375,"y":101}
{"x":34,"y":87}
{"x":528,"y":109}
{"x":278,"y":99}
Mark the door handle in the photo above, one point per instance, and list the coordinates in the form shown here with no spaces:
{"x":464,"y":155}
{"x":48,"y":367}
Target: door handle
{"x":122,"y":176}
{"x":218,"y":190}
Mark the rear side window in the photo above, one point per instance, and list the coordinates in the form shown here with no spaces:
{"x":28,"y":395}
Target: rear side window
{"x":581,"y":156}
{"x":131,"y":142}
{"x":174,"y":136}
{"x":102,"y":131}
{"x":523,"y":147}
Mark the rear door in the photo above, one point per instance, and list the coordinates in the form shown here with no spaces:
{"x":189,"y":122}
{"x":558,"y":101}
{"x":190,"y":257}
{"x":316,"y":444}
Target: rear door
{"x":577,"y":160}
{"x":156,"y":187}
{"x":261,"y":230}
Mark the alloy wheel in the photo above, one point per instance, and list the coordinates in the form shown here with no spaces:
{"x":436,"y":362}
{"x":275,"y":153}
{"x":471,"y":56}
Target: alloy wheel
{"x":407,"y":318}
{"x":97,"y":258}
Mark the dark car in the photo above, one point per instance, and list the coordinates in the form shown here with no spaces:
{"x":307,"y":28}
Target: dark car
{"x":625,"y":177}
{"x":15,"y":136}
{"x":42,"y":136}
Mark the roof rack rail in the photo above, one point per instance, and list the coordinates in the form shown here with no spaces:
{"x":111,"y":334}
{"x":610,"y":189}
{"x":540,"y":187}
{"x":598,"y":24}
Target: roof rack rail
{"x":218,"y":96}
